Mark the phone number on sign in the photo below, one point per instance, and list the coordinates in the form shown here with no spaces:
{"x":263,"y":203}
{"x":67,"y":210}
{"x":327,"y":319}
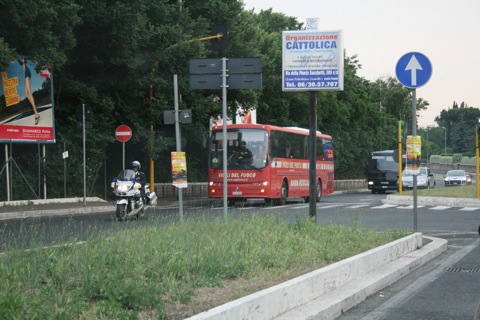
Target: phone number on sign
{"x":310,"y":84}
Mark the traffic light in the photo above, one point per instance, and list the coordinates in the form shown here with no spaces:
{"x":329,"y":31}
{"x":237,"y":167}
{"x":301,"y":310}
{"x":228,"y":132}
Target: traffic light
{"x":220,"y":43}
{"x":478,"y":124}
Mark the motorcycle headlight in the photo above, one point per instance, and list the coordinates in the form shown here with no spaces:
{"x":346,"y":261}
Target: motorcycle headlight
{"x":123,"y":188}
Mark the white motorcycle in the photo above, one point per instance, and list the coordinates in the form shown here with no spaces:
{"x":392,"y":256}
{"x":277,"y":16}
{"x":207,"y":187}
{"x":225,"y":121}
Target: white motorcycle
{"x":128,"y":197}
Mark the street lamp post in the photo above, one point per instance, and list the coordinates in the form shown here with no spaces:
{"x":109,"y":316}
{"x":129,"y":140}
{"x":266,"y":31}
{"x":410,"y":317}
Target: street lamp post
{"x":445,"y":149}
{"x":428,"y":128}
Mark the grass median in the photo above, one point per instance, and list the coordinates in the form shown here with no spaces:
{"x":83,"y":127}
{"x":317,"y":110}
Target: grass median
{"x":169,"y":271}
{"x":451,"y":192}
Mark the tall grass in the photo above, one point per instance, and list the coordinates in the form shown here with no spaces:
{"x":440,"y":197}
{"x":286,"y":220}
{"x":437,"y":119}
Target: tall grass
{"x":123,"y":274}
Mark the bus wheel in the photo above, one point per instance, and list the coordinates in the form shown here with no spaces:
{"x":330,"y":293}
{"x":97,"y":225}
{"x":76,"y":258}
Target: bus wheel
{"x":319,"y":191}
{"x":284,"y":194}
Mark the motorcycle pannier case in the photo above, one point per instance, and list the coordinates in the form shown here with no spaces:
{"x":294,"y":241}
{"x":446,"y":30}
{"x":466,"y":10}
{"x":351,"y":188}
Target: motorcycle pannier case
{"x":153,"y":198}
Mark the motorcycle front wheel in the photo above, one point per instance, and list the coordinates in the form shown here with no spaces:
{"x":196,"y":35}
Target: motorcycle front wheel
{"x":121,"y":212}
{"x":141,"y":213}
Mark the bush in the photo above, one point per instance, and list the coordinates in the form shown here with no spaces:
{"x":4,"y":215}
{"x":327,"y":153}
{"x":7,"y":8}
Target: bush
{"x":457,"y":158}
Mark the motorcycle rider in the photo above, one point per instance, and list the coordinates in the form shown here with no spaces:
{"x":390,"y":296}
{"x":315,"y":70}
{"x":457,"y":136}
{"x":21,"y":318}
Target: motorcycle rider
{"x":139,"y":177}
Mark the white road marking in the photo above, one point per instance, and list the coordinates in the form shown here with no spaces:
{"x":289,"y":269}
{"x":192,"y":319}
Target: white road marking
{"x":385,"y":206}
{"x":409,"y":207}
{"x":440,"y":208}
{"x":469,"y":209}
{"x":358,"y":206}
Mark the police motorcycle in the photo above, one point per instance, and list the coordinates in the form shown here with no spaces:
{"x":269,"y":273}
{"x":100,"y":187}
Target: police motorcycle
{"x":128,"y":197}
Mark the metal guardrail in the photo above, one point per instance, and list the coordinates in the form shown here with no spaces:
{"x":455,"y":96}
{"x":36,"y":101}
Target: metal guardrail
{"x":199,"y":189}
{"x":443,"y":168}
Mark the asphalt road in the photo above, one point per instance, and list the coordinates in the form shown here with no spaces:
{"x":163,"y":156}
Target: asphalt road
{"x":447,"y":287}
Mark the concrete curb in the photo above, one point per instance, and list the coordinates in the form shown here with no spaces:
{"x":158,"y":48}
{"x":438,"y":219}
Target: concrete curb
{"x":325,"y":293}
{"x":433,"y":201}
{"x":49,"y":201}
{"x":54,"y":212}
{"x":53,"y":207}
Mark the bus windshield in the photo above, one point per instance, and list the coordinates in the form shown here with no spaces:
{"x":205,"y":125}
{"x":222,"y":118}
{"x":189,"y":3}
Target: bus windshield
{"x":246,"y":149}
{"x":382,"y":163}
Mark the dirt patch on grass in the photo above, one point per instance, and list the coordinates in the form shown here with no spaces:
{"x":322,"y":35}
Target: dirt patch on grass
{"x":206,"y":298}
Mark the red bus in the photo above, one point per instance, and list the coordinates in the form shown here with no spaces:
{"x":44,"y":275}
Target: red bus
{"x":268,"y":162}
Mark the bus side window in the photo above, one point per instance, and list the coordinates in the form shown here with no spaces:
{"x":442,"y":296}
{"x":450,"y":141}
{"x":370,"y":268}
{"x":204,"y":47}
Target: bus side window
{"x":273,"y":148}
{"x":320,"y":150}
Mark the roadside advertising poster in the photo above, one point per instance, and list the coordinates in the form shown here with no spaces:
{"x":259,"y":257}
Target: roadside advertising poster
{"x":26,"y":104}
{"x":245,"y":115}
{"x":179,"y":169}
{"x":414,"y":154}
{"x":312,"y":60}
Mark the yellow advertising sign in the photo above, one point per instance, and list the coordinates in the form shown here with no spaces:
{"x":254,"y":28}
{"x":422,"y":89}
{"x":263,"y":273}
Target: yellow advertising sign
{"x":179,"y":169}
{"x":414,"y":154}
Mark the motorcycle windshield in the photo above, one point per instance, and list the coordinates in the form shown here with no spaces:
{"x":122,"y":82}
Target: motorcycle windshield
{"x":126,"y":175}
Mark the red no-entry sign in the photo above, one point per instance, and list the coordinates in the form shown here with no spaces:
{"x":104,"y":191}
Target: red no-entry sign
{"x":123,"y":133}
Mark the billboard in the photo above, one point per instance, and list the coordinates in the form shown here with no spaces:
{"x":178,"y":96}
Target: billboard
{"x":312,"y":60}
{"x":26,"y":104}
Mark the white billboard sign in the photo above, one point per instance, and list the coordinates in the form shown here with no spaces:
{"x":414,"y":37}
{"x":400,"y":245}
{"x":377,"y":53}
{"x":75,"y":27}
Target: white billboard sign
{"x":312,"y":60}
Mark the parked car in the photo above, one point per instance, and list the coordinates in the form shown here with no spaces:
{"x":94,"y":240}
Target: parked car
{"x":425,"y":179}
{"x":456,"y":178}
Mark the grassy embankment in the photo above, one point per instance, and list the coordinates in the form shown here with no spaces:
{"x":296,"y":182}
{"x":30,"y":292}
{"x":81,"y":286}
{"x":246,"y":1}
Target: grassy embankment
{"x":168,"y":271}
{"x":451,"y":192}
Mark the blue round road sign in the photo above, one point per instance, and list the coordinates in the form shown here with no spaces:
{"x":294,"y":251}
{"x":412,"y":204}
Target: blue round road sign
{"x":413,"y":70}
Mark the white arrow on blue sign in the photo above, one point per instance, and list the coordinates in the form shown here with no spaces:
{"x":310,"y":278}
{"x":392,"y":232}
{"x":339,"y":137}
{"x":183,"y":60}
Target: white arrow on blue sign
{"x":413,"y":70}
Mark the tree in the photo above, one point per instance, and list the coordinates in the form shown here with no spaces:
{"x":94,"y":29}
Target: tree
{"x":42,"y":30}
{"x":460,"y":124}
{"x":120,"y":58}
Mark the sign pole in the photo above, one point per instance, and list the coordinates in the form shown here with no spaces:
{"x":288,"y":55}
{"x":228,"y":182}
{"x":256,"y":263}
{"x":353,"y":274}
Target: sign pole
{"x":414,"y":133}
{"x":399,"y":148}
{"x":413,"y":70}
{"x":84,"y":159}
{"x":178,"y":140}
{"x":312,"y":147}
{"x":243,"y":73}
{"x":123,"y":155}
{"x":64,"y":172}
{"x":477,"y":180}
{"x":224,"y":129}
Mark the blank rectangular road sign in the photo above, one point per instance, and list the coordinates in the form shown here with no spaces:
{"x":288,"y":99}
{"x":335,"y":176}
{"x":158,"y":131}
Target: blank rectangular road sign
{"x":245,"y":81}
{"x":205,"y":81}
{"x":205,"y":66}
{"x":244,"y":65}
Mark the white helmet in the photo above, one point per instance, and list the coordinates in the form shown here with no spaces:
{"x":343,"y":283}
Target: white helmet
{"x":135,"y":164}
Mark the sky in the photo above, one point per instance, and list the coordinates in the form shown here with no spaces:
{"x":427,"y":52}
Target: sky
{"x":380,"y":32}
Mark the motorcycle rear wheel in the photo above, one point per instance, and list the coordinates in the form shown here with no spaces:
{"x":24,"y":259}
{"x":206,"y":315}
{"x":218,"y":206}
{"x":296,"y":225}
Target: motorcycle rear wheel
{"x":121,"y":212}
